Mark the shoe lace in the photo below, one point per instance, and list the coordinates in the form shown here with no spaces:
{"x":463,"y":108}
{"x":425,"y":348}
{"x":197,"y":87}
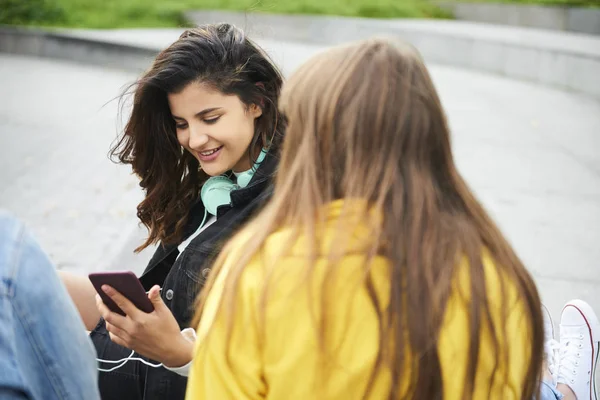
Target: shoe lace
{"x":553,"y":357}
{"x":569,"y":356}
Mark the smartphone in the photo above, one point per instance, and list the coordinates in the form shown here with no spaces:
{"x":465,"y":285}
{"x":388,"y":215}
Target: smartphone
{"x":124,"y":282}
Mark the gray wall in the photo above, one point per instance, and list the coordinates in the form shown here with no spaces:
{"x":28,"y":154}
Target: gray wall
{"x":574,"y":19}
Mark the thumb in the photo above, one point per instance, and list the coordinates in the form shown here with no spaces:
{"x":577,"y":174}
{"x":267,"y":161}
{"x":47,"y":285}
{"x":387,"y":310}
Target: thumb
{"x":154,"y":296}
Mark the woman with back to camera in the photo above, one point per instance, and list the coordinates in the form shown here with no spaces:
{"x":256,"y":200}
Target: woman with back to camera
{"x":373,"y":272}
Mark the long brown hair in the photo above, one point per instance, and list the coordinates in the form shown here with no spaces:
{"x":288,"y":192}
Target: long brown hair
{"x":365,"y":122}
{"x":221,"y":56}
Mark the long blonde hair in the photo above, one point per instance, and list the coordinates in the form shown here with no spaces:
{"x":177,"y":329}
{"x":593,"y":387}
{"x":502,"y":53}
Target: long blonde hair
{"x":365,"y":121}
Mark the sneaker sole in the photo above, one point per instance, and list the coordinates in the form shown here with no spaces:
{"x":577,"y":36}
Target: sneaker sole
{"x":591,"y":319}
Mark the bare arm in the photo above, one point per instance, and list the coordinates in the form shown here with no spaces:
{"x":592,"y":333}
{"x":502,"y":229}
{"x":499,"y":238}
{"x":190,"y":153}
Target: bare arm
{"x":83,"y":294}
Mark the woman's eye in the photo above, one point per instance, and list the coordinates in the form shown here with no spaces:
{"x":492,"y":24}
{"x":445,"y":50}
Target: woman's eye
{"x":211,"y":120}
{"x":180,"y":126}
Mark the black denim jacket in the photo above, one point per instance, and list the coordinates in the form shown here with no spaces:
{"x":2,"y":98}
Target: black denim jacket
{"x":181,"y":278}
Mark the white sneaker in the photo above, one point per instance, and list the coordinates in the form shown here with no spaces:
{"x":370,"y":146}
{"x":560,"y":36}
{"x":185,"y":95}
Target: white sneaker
{"x":579,"y":336}
{"x":551,"y":346}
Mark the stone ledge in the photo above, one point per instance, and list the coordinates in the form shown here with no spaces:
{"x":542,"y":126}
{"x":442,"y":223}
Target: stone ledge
{"x":572,"y":19}
{"x":565,"y":60}
{"x":67,"y":46}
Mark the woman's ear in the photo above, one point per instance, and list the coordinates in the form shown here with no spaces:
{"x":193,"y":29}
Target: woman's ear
{"x":255,"y":110}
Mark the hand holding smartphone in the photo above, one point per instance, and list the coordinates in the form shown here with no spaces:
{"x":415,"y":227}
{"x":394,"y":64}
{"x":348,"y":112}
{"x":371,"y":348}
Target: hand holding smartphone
{"x":124,"y":282}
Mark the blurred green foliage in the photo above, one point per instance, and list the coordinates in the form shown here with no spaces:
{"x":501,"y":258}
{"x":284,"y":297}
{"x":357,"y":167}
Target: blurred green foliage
{"x":31,"y":12}
{"x":566,"y":3}
{"x":169,"y":13}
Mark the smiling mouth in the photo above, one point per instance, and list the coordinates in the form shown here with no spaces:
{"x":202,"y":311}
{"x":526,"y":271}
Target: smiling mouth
{"x":209,"y":152}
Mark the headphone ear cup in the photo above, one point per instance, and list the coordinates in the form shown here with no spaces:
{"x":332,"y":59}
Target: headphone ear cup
{"x":244,"y":178}
{"x":216,"y":192}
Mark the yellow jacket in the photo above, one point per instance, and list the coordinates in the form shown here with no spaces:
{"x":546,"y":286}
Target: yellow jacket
{"x":278,"y":357}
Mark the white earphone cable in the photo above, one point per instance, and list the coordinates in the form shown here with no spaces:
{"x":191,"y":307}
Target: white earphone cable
{"x":124,"y":361}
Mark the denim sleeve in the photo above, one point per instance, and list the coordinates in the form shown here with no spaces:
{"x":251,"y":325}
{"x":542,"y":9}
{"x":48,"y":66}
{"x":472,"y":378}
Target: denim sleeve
{"x":548,"y":391}
{"x":12,"y":385}
{"x":52,"y":355}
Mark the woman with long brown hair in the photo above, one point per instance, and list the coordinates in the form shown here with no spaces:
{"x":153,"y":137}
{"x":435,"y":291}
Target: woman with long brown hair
{"x":203,"y":137}
{"x":373,"y":272}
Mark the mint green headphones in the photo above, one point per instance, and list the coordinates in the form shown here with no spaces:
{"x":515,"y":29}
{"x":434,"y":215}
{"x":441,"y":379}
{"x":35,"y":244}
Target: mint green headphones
{"x":216,"y":191}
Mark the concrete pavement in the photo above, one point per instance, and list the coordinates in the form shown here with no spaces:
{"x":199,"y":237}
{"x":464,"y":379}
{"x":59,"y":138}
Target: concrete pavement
{"x":531,"y":153}
{"x":57,"y":123}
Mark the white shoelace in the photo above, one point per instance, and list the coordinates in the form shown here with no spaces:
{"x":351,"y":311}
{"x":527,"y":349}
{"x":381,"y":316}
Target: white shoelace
{"x":553,"y":354}
{"x":569,"y":356}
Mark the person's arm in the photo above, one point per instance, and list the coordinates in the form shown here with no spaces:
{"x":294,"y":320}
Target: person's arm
{"x":273,"y":351}
{"x":13,"y":394}
{"x":12,"y":385}
{"x":213,"y":375}
{"x":506,"y":377}
{"x":184,"y":370}
{"x":83,"y":294}
{"x":43,"y":345}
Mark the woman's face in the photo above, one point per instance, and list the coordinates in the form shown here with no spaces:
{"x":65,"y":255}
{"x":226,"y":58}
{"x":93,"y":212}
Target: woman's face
{"x":216,"y":128}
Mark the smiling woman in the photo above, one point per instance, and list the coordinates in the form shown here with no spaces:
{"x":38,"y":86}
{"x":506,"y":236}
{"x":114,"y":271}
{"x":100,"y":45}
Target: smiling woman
{"x":203,"y":137}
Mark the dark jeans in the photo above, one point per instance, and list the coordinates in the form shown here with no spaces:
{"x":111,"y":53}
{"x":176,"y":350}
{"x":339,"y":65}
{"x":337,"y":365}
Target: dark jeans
{"x":134,"y":380}
{"x":126,"y":382}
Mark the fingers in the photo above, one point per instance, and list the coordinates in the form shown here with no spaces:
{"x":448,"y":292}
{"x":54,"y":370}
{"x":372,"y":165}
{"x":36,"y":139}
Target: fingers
{"x":109,"y":316}
{"x":124,"y":304}
{"x":157,"y":301}
{"x":115,"y":339}
{"x":154,"y":294}
{"x":118,"y":335}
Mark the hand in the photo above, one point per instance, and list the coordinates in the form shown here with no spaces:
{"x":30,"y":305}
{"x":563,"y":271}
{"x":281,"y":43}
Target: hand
{"x":155,"y":335}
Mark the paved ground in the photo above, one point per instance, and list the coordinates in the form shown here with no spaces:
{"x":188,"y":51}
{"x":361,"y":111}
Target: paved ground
{"x":532,"y":154}
{"x":57,"y":123}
